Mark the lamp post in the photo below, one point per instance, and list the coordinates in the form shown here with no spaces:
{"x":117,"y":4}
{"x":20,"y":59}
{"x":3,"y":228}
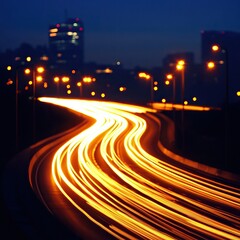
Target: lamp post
{"x":28,"y":71}
{"x":171,"y":77}
{"x":217,"y":48}
{"x":9,"y":68}
{"x":146,"y":76}
{"x":57,"y":81}
{"x":79,"y":84}
{"x":181,"y":67}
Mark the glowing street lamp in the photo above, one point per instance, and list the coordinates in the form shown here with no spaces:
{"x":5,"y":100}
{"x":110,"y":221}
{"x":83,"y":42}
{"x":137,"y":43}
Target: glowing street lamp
{"x":146,"y":76}
{"x":34,"y":71}
{"x":9,"y":68}
{"x":85,"y":80}
{"x":170,"y":77}
{"x":57,"y":81}
{"x":217,"y":48}
{"x":211,"y":65}
{"x":79,"y":84}
{"x":181,"y":67}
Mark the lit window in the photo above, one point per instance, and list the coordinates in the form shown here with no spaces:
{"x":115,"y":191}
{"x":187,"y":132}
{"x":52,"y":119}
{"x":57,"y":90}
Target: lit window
{"x":52,"y":34}
{"x":53,"y":30}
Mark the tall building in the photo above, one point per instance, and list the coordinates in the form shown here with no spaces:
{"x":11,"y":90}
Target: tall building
{"x":66,"y":43}
{"x":226,"y":60}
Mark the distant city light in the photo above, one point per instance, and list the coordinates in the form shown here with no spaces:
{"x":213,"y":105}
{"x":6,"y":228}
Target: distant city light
{"x":238,"y":93}
{"x":144,"y":75}
{"x":56,"y":79}
{"x":87,"y":79}
{"x":194,"y":99}
{"x":215,"y":48}
{"x":40,"y":69}
{"x":9,"y":68}
{"x":52,"y":34}
{"x":164,"y":100}
{"x":44,"y":58}
{"x":122,"y":89}
{"x":53,"y":30}
{"x":28,"y":59}
{"x":181,"y":62}
{"x":169,"y":76}
{"x":211,"y":65}
{"x":65,"y":79}
{"x":27,"y":71}
{"x":185,"y":102}
{"x":39,"y":78}
{"x":179,"y":67}
{"x":167,"y":82}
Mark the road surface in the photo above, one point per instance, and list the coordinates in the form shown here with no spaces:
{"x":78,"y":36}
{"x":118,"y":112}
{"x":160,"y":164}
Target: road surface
{"x":109,"y":178}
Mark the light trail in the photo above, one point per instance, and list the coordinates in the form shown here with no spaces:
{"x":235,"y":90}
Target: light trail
{"x":108,"y":174}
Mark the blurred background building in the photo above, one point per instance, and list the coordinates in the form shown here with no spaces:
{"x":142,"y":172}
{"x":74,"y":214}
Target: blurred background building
{"x":66,"y":44}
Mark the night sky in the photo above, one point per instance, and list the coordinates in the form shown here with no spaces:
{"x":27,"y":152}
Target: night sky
{"x":136,"y":32}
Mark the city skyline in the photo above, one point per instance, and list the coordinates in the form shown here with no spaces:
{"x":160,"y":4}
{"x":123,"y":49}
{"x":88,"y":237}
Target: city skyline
{"x":136,"y":33}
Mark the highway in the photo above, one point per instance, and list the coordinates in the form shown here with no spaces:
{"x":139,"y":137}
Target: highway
{"x":109,"y":178}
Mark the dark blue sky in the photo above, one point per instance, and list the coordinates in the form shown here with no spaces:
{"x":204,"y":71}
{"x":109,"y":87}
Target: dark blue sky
{"x":136,"y":32}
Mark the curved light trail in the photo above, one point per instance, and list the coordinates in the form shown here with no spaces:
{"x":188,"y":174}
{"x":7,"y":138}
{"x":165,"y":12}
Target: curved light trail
{"x":112,"y":174}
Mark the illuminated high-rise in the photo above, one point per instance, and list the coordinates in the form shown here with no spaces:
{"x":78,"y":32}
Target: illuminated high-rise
{"x":66,"y":43}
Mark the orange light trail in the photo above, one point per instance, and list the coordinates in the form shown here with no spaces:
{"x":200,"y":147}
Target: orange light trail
{"x":138,"y":195}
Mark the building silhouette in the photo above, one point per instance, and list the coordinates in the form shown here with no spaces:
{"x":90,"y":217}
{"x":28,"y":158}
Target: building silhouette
{"x":66,"y":44}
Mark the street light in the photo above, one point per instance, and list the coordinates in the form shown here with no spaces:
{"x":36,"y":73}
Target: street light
{"x":218,"y":48}
{"x":79,"y":84}
{"x":210,"y":65}
{"x":34,"y":71}
{"x":170,"y":77}
{"x":85,"y":80}
{"x":181,"y":67}
{"x":9,"y":68}
{"x":146,"y":76}
{"x":57,"y":81}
